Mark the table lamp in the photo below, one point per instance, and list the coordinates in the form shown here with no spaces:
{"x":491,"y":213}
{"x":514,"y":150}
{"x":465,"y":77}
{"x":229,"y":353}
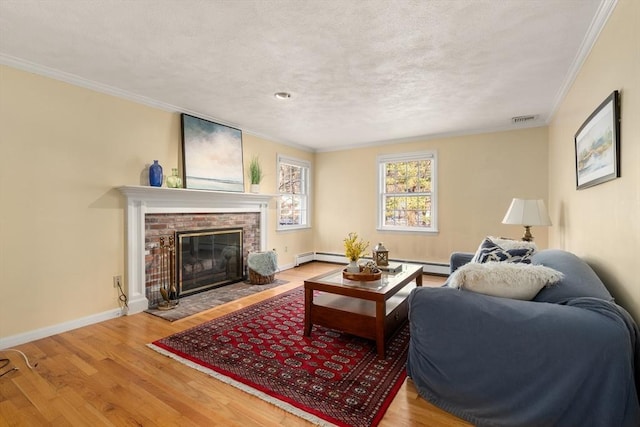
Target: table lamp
{"x":527,"y":213}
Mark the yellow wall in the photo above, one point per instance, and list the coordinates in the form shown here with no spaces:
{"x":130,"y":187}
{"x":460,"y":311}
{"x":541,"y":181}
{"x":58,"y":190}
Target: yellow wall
{"x":478,"y":175}
{"x":286,"y":243}
{"x":64,"y":151}
{"x":601,"y":223}
{"x":65,"y":148}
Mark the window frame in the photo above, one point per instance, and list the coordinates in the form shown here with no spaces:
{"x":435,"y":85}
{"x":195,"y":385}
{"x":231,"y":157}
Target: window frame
{"x":306,"y":165}
{"x":382,"y":160}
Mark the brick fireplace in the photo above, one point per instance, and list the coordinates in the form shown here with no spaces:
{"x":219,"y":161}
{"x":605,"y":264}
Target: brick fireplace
{"x":165,"y":225}
{"x":155,"y":211}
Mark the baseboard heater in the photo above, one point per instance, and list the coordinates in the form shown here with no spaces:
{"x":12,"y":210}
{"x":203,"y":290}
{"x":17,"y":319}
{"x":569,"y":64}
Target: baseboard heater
{"x":305,"y":257}
{"x":440,"y":269}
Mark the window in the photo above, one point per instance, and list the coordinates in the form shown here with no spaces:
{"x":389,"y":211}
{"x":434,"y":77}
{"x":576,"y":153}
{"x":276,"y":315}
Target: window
{"x":407,"y":192}
{"x":293,"y":192}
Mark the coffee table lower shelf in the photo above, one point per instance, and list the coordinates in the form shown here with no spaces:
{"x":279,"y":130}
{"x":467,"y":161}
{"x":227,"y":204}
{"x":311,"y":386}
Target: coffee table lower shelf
{"x":360,"y":317}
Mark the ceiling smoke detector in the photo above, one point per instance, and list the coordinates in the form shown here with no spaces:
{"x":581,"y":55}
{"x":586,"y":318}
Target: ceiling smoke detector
{"x":522,"y":119}
{"x":282,"y":95}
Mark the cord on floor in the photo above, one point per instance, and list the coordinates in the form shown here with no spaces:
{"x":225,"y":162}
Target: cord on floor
{"x":4,"y":362}
{"x":123,"y":300}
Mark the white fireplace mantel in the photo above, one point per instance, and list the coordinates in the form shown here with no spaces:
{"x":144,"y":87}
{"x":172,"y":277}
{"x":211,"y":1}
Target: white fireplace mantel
{"x":143,"y":200}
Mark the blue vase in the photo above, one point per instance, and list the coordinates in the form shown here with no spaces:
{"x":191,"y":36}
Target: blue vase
{"x":155,"y":174}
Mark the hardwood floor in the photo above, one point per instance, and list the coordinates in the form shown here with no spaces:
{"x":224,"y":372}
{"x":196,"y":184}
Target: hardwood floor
{"x":105,"y":375}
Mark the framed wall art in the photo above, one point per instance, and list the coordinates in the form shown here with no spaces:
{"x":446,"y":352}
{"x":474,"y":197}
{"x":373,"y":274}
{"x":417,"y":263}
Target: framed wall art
{"x":597,"y":145}
{"x":211,"y":155}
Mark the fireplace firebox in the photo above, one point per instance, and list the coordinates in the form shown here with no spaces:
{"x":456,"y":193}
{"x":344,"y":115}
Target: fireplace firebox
{"x":208,"y":259}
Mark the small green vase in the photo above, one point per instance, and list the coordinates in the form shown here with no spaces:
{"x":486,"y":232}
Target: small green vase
{"x":173,"y":180}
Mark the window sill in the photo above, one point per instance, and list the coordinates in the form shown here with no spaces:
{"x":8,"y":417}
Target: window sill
{"x":407,"y":230}
{"x":294,"y":228}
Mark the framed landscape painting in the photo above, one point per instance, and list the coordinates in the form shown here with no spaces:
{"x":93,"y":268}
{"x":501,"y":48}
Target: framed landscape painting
{"x":598,"y":145}
{"x":211,"y":155}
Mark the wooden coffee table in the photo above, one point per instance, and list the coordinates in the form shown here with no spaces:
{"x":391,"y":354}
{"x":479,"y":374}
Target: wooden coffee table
{"x":373,"y":310}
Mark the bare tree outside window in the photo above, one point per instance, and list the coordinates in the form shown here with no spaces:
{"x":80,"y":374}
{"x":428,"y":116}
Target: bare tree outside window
{"x":407,"y":191}
{"x":293,"y":193}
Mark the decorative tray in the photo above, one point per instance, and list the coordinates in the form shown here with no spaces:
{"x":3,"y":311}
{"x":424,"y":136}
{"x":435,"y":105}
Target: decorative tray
{"x":362,"y":276}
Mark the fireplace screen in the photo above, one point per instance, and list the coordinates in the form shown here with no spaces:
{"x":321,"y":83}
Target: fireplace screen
{"x":208,"y":259}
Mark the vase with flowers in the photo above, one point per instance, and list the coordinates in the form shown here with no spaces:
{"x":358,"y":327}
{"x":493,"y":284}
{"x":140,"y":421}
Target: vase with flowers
{"x":354,"y":248}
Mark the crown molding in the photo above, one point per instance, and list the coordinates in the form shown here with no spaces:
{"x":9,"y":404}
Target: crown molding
{"x":434,"y":136}
{"x":597,"y":24}
{"x":76,"y":80}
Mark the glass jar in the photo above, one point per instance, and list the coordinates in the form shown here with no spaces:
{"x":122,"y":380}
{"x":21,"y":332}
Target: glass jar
{"x":174,"y":180}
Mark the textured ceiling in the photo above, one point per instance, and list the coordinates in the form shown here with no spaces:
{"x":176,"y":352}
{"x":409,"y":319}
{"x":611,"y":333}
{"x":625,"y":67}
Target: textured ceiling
{"x":359,"y":71}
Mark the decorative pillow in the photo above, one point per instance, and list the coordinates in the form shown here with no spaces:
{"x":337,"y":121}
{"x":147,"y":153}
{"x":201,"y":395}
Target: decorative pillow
{"x":506,"y":244}
{"x":489,"y":250}
{"x":504,"y":279}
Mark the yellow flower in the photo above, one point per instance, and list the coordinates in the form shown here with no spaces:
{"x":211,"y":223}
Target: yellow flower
{"x":354,"y":248}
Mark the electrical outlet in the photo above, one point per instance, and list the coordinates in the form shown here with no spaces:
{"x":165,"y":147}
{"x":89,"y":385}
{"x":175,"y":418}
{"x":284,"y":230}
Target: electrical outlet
{"x":286,"y":249}
{"x":117,"y":281}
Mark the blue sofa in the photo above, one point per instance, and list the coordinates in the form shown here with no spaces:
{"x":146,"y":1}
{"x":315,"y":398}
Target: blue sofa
{"x":569,"y":357}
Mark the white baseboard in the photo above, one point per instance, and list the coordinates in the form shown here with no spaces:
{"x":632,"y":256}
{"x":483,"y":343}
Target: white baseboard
{"x":138,"y":305}
{"x":15,"y":340}
{"x":304,"y":258}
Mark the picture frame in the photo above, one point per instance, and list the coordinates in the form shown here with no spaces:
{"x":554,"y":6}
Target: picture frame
{"x":597,"y":145}
{"x":211,"y":155}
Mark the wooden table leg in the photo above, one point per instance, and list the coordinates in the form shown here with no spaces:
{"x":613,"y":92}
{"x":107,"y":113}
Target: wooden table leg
{"x":380,"y":321}
{"x":308,"y":301}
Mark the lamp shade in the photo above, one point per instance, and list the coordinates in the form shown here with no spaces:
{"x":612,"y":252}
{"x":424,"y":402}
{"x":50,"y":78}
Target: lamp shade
{"x":527,"y":212}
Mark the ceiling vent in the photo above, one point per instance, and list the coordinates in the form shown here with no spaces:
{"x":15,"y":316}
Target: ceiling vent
{"x":522,"y":119}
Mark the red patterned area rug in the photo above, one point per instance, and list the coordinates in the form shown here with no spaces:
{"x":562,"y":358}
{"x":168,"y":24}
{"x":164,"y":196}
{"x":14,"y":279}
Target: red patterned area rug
{"x":330,"y":378}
